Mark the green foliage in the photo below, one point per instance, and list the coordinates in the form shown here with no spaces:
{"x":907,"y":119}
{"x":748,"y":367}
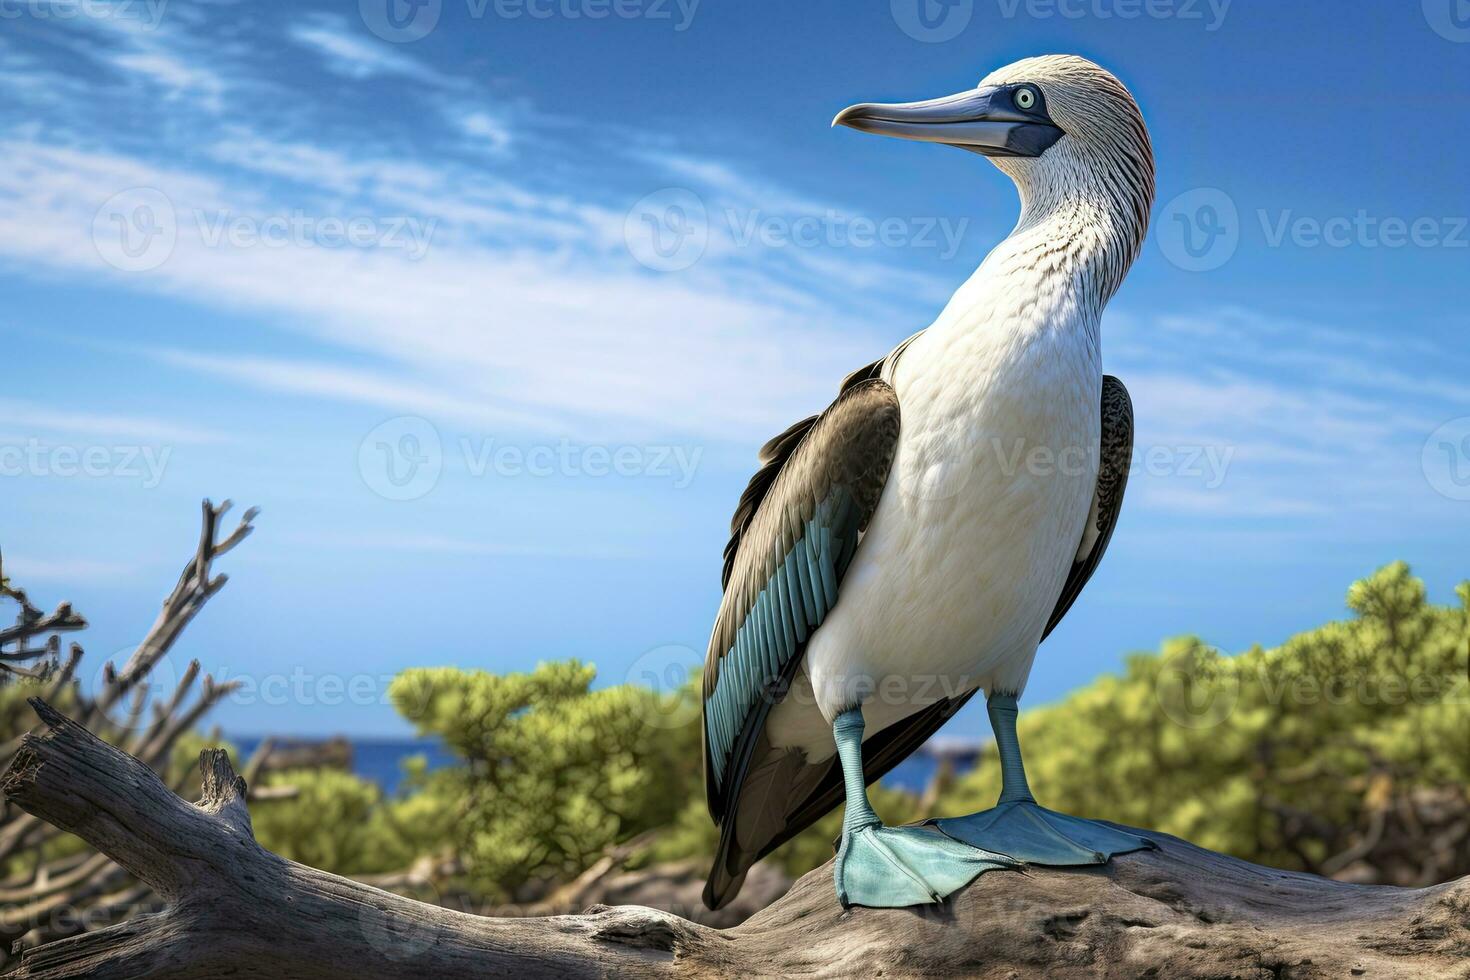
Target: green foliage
{"x":1269,"y":754}
{"x":554,"y":772}
{"x":341,"y":823}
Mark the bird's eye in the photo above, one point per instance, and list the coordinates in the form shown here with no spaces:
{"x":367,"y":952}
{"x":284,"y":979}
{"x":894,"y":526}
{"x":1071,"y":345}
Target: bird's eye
{"x":1025,"y":98}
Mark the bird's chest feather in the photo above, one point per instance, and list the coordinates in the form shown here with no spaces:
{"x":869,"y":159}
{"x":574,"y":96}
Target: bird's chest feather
{"x":986,"y":503}
{"x":999,"y":435}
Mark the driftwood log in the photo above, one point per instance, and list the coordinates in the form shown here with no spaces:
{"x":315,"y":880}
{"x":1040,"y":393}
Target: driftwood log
{"x":235,"y":910}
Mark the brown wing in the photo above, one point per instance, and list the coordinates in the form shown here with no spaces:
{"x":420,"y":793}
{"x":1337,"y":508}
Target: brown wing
{"x":792,"y":538}
{"x":1107,"y":500}
{"x":773,"y":456}
{"x":789,"y":559}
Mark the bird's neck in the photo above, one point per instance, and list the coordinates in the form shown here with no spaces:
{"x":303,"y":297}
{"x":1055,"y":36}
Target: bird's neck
{"x":1064,"y":260}
{"x":1085,"y":234}
{"x":1093,"y":204}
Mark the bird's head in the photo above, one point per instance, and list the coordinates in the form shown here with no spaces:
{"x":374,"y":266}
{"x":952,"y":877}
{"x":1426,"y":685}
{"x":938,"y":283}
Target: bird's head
{"x":1060,"y":126}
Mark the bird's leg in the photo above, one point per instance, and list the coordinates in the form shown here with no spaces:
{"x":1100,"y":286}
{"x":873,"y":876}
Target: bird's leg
{"x":847,"y":731}
{"x":893,"y":867}
{"x":1013,"y":787}
{"x":1018,"y":826}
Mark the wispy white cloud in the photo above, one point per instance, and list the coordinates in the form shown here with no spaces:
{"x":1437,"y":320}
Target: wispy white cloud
{"x":339,"y":383}
{"x":528,"y":313}
{"x":177,"y":78}
{"x":79,"y":423}
{"x":1275,"y":417}
{"x":486,"y":129}
{"x":732,"y":186}
{"x":356,"y":54}
{"x":528,"y":310}
{"x":571,"y":329}
{"x":136,"y":42}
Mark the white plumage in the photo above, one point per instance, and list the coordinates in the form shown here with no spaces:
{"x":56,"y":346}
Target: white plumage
{"x":994,"y":476}
{"x":983,"y":463}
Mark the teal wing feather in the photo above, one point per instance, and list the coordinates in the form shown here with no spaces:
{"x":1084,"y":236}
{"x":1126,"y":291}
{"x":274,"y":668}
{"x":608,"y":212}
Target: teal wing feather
{"x":787,"y":558}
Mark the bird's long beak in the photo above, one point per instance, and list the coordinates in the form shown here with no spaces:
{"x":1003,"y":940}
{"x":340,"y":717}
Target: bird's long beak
{"x":982,"y":120}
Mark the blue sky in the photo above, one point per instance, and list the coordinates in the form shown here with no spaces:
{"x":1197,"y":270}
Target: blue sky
{"x":488,"y":304}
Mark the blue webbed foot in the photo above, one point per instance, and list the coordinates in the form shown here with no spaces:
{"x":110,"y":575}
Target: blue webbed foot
{"x":895,"y":867}
{"x":1031,"y":833}
{"x":1022,"y":828}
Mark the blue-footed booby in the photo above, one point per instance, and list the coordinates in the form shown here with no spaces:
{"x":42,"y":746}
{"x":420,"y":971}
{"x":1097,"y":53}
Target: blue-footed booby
{"x":914,"y":543}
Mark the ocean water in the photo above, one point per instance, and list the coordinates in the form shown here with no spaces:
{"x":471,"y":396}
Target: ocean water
{"x":380,"y":760}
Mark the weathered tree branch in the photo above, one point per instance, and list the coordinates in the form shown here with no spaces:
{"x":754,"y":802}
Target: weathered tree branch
{"x":63,"y":895}
{"x":31,"y":621}
{"x":236,"y":910}
{"x":195,"y":588}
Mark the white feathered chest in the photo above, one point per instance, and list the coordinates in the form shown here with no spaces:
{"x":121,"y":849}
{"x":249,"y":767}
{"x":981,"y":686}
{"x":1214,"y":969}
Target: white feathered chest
{"x":985,"y":506}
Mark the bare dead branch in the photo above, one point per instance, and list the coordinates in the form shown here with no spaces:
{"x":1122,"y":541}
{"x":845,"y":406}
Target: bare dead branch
{"x":194,"y":589}
{"x":90,"y":889}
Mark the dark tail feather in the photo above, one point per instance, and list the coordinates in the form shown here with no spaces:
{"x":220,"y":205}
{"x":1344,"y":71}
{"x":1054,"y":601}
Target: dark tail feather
{"x":721,"y":889}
